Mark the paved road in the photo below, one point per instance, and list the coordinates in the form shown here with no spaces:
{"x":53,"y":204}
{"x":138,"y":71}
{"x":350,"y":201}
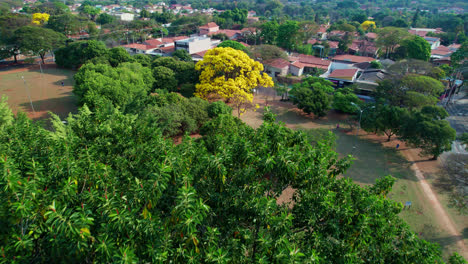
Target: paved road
{"x":458,"y":118}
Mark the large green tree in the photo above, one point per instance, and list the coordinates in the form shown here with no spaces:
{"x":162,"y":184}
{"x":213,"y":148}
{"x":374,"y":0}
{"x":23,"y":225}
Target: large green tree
{"x":126,"y":86}
{"x":428,"y":130}
{"x":37,"y":40}
{"x":414,"y":48}
{"x":287,"y":34}
{"x":389,"y":38}
{"x":77,"y":53}
{"x":384,"y":119}
{"x":269,"y":32}
{"x":343,"y":100}
{"x":312,"y":95}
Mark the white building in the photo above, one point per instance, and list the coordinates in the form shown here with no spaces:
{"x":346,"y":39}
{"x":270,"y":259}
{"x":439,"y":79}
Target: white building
{"x":125,"y":16}
{"x":194,"y":44}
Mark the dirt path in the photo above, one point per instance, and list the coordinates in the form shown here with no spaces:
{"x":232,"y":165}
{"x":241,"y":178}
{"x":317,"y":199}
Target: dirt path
{"x":441,"y":215}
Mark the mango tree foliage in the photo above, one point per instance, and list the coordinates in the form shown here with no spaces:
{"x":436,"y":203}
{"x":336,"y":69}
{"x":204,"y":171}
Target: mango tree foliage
{"x":126,"y":86}
{"x":40,"y":18}
{"x":107,"y":188}
{"x":230,"y":74}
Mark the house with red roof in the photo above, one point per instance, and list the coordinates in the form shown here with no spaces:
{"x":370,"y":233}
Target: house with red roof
{"x":208,"y":28}
{"x":136,"y":48}
{"x":371,"y":36}
{"x":363,"y":47}
{"x":276,"y":67}
{"x":351,"y":59}
{"x":230,"y":33}
{"x":304,"y":64}
{"x":344,"y":75}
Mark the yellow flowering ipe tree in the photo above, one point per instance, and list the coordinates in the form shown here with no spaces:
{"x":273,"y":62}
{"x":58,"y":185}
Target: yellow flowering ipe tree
{"x":40,"y":18}
{"x":368,"y":25}
{"x":230,"y":74}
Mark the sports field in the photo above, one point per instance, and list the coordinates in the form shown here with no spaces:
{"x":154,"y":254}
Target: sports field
{"x":38,"y":94}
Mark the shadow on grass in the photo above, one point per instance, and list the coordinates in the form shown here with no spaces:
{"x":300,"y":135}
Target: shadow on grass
{"x":372,"y":160}
{"x":431,"y":233}
{"x":61,"y":106}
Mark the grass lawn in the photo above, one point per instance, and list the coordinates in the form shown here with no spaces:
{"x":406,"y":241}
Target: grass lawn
{"x":372,"y":161}
{"x":45,"y":91}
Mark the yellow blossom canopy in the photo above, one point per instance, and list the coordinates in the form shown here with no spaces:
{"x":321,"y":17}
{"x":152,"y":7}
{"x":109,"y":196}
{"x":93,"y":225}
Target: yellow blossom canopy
{"x":40,"y":18}
{"x":230,"y":74}
{"x":368,"y":25}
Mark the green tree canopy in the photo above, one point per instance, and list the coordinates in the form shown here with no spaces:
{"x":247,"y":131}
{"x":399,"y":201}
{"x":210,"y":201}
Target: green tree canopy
{"x":77,"y":53}
{"x":127,"y":86}
{"x":37,"y":40}
{"x":312,"y":95}
{"x":164,"y":78}
{"x":384,"y":119}
{"x":287,"y":34}
{"x":343,"y":100}
{"x":427,"y":130}
{"x":233,"y":44}
{"x":414,"y":48}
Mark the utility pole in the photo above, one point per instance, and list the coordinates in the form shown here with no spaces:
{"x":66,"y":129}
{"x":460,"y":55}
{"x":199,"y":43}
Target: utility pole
{"x":29,"y":95}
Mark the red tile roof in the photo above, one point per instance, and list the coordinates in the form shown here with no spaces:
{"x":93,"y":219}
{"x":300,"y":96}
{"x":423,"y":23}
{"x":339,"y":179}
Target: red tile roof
{"x":209,"y":25}
{"x":153,"y":42}
{"x":371,"y":35}
{"x":353,"y":58}
{"x":167,"y":49}
{"x":139,"y":46}
{"x":201,"y":53}
{"x":229,"y":32}
{"x":333,"y":44}
{"x":312,"y":41}
{"x":343,"y":73}
{"x":245,"y":44}
{"x":420,"y":33}
{"x":277,"y":63}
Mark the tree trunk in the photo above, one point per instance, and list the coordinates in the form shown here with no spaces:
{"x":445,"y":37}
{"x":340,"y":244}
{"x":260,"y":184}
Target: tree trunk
{"x":16,"y":59}
{"x":434,"y":157}
{"x":42,"y":58}
{"x":388,"y":139}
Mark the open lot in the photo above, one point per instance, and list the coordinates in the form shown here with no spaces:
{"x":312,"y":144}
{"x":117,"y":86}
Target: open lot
{"x":45,"y":91}
{"x":374,"y":158}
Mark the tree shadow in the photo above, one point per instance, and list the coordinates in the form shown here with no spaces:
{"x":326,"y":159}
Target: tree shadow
{"x":431,"y":233}
{"x":372,"y":160}
{"x":60,"y":106}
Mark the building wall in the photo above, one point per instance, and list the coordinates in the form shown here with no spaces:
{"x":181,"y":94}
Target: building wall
{"x":296,"y":71}
{"x":126,"y":17}
{"x":195,"y":46}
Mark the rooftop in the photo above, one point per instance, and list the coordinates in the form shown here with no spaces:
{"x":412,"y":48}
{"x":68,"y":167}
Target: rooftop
{"x":343,"y":73}
{"x":353,"y":58}
{"x":277,"y":63}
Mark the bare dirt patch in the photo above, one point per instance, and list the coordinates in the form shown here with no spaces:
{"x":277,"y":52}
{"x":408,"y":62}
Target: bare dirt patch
{"x":26,"y":85}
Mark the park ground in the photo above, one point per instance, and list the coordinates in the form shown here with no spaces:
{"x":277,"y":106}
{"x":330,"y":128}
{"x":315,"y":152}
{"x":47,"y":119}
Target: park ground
{"x":375,"y":158}
{"x":26,"y":85}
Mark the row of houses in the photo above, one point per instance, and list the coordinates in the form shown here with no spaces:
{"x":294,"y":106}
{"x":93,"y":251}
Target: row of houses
{"x":342,"y":70}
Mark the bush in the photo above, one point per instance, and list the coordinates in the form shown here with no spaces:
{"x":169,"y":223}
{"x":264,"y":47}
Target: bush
{"x":218,"y":108}
{"x":187,"y":90}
